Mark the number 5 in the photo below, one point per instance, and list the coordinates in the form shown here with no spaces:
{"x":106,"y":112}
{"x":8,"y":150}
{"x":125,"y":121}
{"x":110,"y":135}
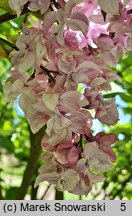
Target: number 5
{"x":123,"y":207}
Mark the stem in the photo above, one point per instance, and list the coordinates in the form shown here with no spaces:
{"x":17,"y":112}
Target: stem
{"x":80,"y":197}
{"x":34,"y":191}
{"x":1,"y":197}
{"x":59,"y":195}
{"x":46,"y":191}
{"x":32,"y":162}
{"x":51,"y":78}
{"x":47,"y":72}
{"x":3,"y":41}
{"x":8,"y":16}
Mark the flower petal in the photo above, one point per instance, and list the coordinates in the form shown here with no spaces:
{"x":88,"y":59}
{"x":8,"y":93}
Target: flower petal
{"x":68,"y":180}
{"x":51,"y":100}
{"x":109,"y":6}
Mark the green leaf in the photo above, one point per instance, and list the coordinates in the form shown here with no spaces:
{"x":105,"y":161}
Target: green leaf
{"x":109,"y":6}
{"x":4,"y":4}
{"x":11,"y":193}
{"x":111,"y":95}
{"x":126,"y":97}
{"x":7,"y":144}
{"x":3,"y":52}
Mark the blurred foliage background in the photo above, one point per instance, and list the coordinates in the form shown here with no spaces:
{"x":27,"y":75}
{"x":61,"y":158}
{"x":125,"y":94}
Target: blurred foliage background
{"x":16,"y":139}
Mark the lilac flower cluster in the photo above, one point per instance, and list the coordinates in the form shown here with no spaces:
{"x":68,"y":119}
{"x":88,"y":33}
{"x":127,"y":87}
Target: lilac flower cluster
{"x":73,"y":45}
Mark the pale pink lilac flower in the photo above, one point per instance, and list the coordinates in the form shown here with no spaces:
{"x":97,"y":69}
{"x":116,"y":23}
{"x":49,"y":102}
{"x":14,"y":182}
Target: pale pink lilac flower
{"x":17,"y":5}
{"x":34,"y":5}
{"x":106,"y":110}
{"x":109,"y":6}
{"x":104,"y":141}
{"x":32,"y":49}
{"x":95,"y":159}
{"x":41,"y":5}
{"x":75,"y":43}
{"x":76,"y":21}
